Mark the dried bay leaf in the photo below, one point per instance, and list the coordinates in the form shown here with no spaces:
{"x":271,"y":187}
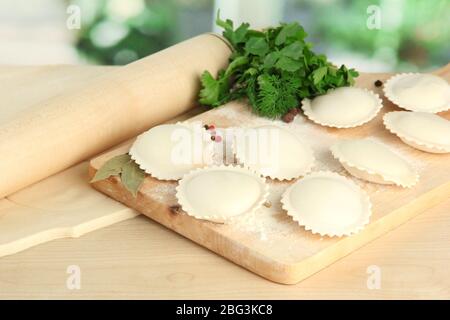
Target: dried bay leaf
{"x":132,"y":177}
{"x":112,"y":167}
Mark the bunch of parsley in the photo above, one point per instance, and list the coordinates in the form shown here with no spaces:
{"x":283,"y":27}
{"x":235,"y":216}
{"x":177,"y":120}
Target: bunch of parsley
{"x":274,"y":68}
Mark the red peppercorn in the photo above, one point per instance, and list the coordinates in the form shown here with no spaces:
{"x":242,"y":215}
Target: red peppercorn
{"x":218,"y":138}
{"x":288,"y":117}
{"x":211,"y":127}
{"x":294,"y":111}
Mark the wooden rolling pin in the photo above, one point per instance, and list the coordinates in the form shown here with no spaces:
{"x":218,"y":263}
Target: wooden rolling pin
{"x":107,"y":110}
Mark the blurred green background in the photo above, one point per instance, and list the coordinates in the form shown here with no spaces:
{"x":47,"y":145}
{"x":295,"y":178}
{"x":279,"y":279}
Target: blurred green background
{"x":414,"y":34}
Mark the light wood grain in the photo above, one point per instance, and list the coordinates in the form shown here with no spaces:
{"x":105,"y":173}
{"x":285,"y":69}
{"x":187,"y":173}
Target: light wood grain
{"x":140,"y":259}
{"x":23,"y":88}
{"x":63,"y":205}
{"x":105,"y":111}
{"x":292,"y":254}
{"x":60,"y":206}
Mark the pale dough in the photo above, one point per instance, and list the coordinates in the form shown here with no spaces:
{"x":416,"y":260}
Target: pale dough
{"x":343,"y":107}
{"x":421,"y":130}
{"x":221,"y":193}
{"x":418,"y":92}
{"x":327,"y":203}
{"x":169,"y":151}
{"x":273,"y":152}
{"x":373,"y":161}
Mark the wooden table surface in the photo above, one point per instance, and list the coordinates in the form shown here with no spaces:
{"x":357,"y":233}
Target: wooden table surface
{"x":140,"y":259}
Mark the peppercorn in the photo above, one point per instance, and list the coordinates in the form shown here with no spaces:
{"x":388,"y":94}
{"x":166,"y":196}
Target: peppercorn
{"x":294,"y":111}
{"x":288,"y":117}
{"x":378,"y":83}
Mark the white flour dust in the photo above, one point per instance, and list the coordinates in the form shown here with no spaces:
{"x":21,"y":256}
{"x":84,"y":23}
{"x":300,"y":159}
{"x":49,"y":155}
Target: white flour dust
{"x":164,"y":193}
{"x":271,"y":222}
{"x":314,"y":136}
{"x":268,"y":222}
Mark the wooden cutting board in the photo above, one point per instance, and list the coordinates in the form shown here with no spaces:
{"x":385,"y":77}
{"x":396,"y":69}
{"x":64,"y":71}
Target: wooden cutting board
{"x":271,"y":244}
{"x":62,"y":205}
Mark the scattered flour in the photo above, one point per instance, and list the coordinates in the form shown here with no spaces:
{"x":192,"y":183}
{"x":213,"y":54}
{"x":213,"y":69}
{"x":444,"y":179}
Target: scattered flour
{"x":314,"y":136}
{"x":271,"y":223}
{"x":163,"y":192}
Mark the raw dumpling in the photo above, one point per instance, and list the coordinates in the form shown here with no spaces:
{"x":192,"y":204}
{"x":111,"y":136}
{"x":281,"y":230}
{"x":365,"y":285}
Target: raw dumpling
{"x":418,"y":92}
{"x":373,"y":161}
{"x":273,"y":152}
{"x":221,"y":193}
{"x":327,"y":203}
{"x":343,"y":107}
{"x":169,"y":151}
{"x":424,"y":131}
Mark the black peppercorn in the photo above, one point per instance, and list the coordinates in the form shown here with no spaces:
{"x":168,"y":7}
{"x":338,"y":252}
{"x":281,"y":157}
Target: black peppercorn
{"x":378,"y":83}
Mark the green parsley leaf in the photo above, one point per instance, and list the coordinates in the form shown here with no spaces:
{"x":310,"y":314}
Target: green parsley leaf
{"x":271,"y":59}
{"x":240,"y":34}
{"x":294,"y":50}
{"x":226,"y":25}
{"x":318,"y":74}
{"x":213,"y":90}
{"x":274,"y":68}
{"x":288,"y":64}
{"x":236,"y":63}
{"x":257,"y":46}
{"x":291,"y":30}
